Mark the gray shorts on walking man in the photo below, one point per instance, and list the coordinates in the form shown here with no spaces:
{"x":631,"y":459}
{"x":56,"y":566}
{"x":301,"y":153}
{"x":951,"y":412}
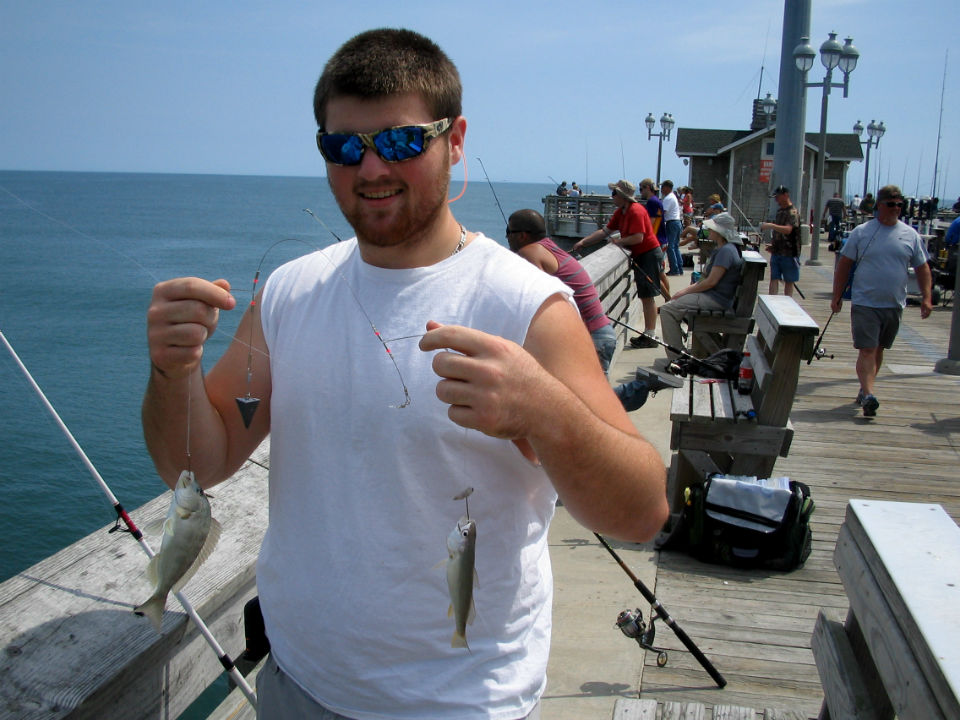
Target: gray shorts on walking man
{"x":874,"y":327}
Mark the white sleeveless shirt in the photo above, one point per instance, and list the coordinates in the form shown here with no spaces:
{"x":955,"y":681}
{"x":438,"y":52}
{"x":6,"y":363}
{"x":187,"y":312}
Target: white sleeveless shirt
{"x":361,"y":492}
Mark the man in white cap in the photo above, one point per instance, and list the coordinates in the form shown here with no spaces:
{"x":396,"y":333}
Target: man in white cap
{"x":717,"y":286}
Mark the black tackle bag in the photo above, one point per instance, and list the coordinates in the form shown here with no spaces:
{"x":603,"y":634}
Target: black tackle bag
{"x":721,"y":365}
{"x":746,"y":522}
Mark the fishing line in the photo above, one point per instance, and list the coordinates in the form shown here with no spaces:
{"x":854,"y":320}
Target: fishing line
{"x":310,"y":213}
{"x":82,"y":234}
{"x":247,"y":402}
{"x":134,"y":531}
{"x":493,"y":191}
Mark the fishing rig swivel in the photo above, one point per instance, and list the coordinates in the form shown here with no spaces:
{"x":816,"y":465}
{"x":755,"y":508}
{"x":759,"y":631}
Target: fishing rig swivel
{"x":248,"y":403}
{"x":465,"y":496}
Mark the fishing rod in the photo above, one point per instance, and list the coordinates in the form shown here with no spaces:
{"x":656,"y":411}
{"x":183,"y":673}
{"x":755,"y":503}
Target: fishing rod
{"x":134,"y":531}
{"x":665,"y":616}
{"x":493,"y":191}
{"x":715,"y":370}
{"x":818,"y":352}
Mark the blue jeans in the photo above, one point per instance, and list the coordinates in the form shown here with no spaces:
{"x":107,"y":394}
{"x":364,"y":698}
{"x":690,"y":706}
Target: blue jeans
{"x":673,"y":246}
{"x":605,"y":341}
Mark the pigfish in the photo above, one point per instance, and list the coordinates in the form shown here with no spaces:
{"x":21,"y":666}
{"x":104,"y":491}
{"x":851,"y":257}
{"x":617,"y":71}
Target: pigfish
{"x":189,"y":536}
{"x":461,"y":575}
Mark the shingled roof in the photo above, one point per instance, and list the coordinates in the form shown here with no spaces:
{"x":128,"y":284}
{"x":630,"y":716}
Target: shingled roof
{"x":708,"y":143}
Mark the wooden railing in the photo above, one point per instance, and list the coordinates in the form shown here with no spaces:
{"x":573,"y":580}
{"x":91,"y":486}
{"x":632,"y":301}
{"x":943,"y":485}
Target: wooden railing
{"x":575,"y":217}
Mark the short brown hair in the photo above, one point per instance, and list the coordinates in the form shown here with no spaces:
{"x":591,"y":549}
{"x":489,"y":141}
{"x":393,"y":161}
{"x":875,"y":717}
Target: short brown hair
{"x":889,"y":192}
{"x":386,"y":62}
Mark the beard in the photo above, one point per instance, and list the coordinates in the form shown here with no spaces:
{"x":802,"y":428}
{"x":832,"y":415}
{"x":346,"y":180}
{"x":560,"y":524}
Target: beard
{"x":410,"y":222}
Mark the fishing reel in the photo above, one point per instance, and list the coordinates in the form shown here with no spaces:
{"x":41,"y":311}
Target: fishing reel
{"x":821,"y":353}
{"x":632,"y":625}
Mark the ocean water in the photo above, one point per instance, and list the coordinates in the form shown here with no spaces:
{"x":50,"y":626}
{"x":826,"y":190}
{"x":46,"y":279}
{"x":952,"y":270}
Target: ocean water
{"x":80,"y":253}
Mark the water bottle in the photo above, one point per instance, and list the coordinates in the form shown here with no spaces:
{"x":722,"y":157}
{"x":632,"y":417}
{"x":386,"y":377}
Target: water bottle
{"x":745,"y":378}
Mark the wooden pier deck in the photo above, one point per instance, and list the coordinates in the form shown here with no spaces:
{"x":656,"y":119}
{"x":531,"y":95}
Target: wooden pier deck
{"x":756,"y":626}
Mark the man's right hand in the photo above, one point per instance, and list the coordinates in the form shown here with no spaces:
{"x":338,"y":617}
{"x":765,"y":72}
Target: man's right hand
{"x":183,"y":313}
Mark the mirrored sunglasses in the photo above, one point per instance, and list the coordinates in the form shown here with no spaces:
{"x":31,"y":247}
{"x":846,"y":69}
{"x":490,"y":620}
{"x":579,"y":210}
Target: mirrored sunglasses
{"x":392,"y":145}
{"x":893,"y":203}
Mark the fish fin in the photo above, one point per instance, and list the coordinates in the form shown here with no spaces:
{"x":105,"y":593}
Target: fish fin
{"x":459,"y":641}
{"x":168,"y":526}
{"x":450,"y":611}
{"x":152,"y":570}
{"x":153,"y":609}
{"x":442,"y":563}
{"x":472,"y":613}
{"x":212,"y":537}
{"x":476,"y":578}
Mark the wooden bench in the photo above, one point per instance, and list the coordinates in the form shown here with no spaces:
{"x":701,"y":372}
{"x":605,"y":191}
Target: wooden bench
{"x":898,"y":653}
{"x":712,"y":330}
{"x":716,"y":429}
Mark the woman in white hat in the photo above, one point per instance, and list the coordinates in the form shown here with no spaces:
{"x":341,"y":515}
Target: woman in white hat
{"x":716,"y":288}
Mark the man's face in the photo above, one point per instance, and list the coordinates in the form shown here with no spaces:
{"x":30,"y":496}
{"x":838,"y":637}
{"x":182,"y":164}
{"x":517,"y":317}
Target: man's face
{"x":389,"y":204}
{"x":888,"y":210}
{"x":646,"y":191}
{"x":783,"y":199}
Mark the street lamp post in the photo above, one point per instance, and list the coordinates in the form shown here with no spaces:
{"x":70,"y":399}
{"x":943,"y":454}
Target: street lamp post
{"x":666,"y":126}
{"x":875,"y":131}
{"x":769,"y":106}
{"x":833,"y":55}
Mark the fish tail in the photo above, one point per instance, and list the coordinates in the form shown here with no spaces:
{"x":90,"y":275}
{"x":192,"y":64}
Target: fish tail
{"x":459,"y":640}
{"x":153,"y":609}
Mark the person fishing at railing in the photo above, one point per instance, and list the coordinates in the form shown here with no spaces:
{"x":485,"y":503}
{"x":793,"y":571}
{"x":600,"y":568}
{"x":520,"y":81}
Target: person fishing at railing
{"x":527,"y":236}
{"x":361,"y":494}
{"x":636,"y":235}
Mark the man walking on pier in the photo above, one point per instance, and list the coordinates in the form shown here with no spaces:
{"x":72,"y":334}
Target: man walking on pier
{"x":881,"y":251}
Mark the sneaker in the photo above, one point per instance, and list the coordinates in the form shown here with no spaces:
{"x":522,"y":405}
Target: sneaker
{"x":870,"y":405}
{"x":644,"y":341}
{"x":860,"y":397}
{"x":656,"y":380}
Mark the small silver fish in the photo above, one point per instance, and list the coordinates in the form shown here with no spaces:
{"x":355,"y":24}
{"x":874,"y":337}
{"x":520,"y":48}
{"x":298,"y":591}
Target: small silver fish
{"x":189,"y":536}
{"x":461,"y":575}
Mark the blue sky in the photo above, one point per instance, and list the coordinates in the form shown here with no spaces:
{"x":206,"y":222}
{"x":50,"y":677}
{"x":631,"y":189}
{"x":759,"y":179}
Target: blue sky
{"x":552,"y":89}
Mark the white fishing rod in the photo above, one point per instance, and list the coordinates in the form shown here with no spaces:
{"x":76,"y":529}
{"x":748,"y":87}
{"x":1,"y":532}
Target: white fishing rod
{"x":224,"y":659}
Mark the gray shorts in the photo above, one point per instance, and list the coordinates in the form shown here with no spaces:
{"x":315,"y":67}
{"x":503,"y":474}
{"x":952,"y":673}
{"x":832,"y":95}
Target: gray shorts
{"x":874,"y":327}
{"x":280,"y":698}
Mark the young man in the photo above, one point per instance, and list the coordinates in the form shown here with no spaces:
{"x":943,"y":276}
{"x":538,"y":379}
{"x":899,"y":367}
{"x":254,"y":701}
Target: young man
{"x":369,"y":449}
{"x":883,"y":249}
{"x":784,"y":247}
{"x":636,"y":233}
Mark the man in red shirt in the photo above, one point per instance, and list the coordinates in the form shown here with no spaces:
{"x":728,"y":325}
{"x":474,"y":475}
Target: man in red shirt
{"x":637,"y":235}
